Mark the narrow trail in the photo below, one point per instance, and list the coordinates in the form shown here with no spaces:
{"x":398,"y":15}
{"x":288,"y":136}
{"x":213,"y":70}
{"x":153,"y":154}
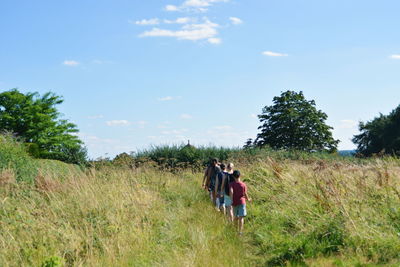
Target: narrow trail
{"x":200,"y":234}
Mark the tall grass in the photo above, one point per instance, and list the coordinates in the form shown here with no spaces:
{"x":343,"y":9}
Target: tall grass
{"x":306,"y":212}
{"x":115,"y":218}
{"x":15,"y":159}
{"x":303,"y":212}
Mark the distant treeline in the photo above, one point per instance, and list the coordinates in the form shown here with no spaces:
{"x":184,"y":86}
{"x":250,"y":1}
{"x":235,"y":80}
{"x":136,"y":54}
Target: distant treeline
{"x":176,"y":157}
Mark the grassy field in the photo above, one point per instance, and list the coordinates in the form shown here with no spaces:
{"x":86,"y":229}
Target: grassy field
{"x":311,"y":212}
{"x":113,"y":218}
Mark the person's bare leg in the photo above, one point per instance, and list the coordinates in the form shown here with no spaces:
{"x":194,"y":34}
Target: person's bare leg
{"x":214,"y":198}
{"x":241,"y":223}
{"x":230,"y":213}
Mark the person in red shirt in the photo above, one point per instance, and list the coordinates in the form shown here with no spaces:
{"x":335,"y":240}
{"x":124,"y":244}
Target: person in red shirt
{"x":238,"y":194}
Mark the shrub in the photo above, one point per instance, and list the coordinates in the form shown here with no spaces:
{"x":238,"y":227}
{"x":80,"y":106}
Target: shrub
{"x":184,"y":156}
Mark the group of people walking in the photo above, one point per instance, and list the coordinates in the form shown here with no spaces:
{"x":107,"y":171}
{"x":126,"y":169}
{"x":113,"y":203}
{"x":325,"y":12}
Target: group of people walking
{"x":227,"y":192}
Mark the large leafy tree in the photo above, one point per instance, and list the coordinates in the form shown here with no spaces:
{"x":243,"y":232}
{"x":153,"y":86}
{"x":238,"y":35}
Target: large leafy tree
{"x":36,"y":120}
{"x":292,"y":122}
{"x":381,"y":135}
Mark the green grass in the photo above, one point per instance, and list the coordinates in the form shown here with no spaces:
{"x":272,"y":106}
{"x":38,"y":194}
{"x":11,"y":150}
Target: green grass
{"x":318,"y":210}
{"x":15,"y":159}
{"x":309,"y":211}
{"x":302,"y":215}
{"x":115,"y":218}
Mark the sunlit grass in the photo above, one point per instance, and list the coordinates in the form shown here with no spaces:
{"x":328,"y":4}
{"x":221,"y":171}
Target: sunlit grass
{"x":114,"y":218}
{"x":305,"y":213}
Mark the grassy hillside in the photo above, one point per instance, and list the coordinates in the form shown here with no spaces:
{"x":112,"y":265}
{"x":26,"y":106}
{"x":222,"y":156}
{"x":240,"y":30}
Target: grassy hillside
{"x":306,"y":212}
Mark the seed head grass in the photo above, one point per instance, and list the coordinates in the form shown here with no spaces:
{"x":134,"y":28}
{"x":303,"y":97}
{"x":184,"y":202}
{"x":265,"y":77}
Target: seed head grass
{"x":313,"y":212}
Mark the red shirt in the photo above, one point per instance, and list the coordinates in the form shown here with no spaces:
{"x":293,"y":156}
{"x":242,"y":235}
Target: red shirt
{"x":239,"y":188}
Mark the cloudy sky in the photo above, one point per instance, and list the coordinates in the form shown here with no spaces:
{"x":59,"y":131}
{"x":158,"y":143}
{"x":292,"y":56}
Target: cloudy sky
{"x":135,"y":73}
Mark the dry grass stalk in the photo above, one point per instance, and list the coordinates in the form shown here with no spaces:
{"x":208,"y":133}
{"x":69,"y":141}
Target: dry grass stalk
{"x":7,"y":177}
{"x":45,"y":184}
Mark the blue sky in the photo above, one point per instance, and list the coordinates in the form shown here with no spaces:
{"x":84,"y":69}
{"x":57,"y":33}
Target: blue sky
{"x":135,"y":73}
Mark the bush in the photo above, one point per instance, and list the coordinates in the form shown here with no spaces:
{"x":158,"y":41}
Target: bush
{"x":13,"y":155}
{"x":184,"y":156}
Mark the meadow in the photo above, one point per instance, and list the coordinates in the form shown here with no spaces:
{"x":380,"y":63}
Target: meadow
{"x":306,"y":211}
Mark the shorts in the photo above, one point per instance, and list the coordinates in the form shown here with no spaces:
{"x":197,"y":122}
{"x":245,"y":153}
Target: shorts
{"x":211,"y":187}
{"x":221,"y":201}
{"x":240,"y":210}
{"x":227,"y":201}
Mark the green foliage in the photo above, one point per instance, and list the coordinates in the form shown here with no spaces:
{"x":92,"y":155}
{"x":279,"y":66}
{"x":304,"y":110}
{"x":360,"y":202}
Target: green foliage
{"x":184,"y":156}
{"x":14,"y":157}
{"x":53,"y":262}
{"x":381,"y":135}
{"x":123,"y":159}
{"x":292,"y":122}
{"x":35,"y":119}
{"x":249,"y":144}
{"x":252,"y":154}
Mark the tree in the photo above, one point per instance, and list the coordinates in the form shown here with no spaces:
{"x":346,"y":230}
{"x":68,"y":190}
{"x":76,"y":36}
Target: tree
{"x":292,"y":122}
{"x":249,"y":144}
{"x":381,"y":135}
{"x":35,"y":119}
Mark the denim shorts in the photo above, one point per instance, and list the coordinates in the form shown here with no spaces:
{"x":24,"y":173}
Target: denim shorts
{"x":227,"y":201}
{"x":240,"y":210}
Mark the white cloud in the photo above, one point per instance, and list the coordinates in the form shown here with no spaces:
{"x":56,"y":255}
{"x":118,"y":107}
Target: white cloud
{"x":274,"y":54}
{"x":71,"y":63}
{"x":186,"y":116}
{"x":118,"y":123}
{"x":194,"y":5}
{"x":144,"y":22}
{"x":167,"y":98}
{"x":348,"y":124}
{"x":183,"y":20}
{"x":215,"y":41}
{"x":235,"y":21}
{"x":254,"y":116}
{"x":201,"y":3}
{"x":171,"y":8}
{"x":395,"y":56}
{"x":193,"y":32}
{"x":193,"y":27}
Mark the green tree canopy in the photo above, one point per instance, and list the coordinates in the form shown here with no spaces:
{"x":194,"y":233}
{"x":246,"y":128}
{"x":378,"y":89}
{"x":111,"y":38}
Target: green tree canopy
{"x":292,"y":122}
{"x":35,"y":119}
{"x":381,"y":135}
